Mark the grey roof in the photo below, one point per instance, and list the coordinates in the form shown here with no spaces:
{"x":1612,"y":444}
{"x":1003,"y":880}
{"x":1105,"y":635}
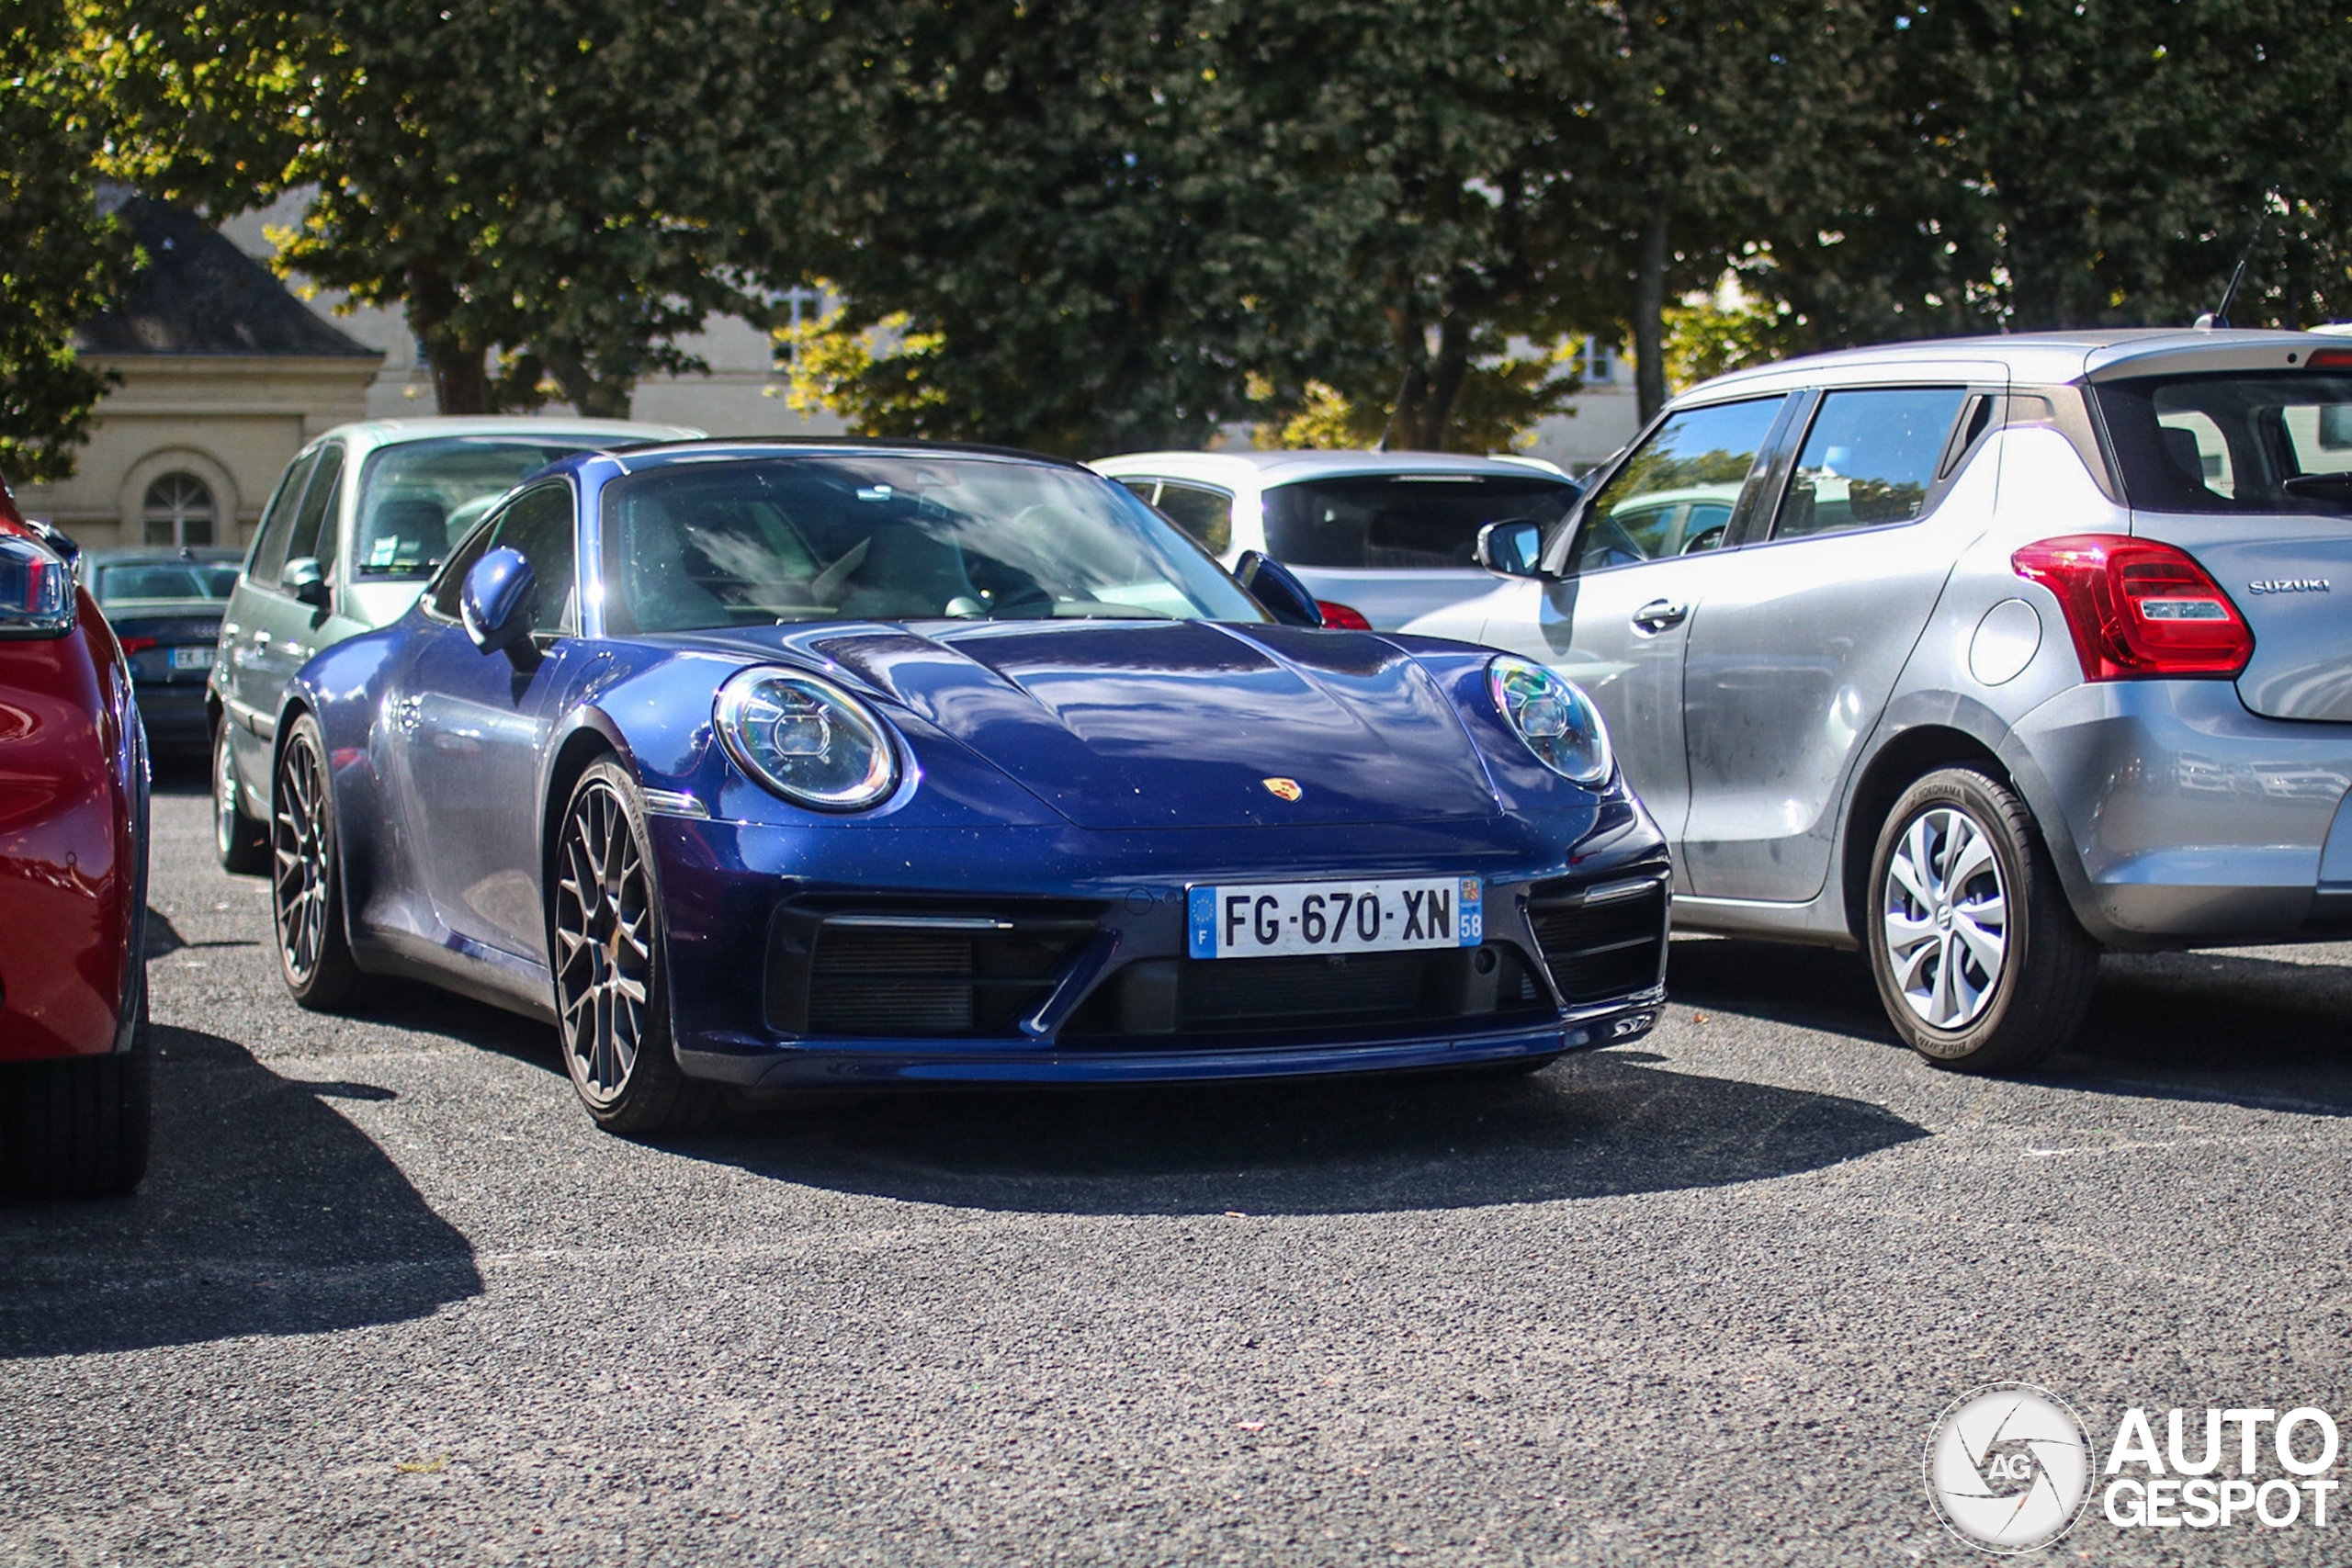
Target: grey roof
{"x":199,"y":294}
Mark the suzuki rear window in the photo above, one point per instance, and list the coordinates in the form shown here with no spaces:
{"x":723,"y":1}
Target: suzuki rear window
{"x":2249,"y":443}
{"x":1404,"y":521}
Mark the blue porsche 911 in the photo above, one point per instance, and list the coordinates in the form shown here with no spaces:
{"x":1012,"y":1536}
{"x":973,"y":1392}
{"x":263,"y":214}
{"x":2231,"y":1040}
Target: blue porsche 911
{"x":774,"y":764}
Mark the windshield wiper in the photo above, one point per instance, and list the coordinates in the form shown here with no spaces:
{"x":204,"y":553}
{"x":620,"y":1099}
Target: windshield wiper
{"x":2333,"y":490}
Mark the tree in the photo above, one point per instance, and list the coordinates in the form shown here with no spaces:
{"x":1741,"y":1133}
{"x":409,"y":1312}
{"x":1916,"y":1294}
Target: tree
{"x":1088,"y":224}
{"x":531,"y":179}
{"x":1996,"y":167}
{"x":60,"y":255}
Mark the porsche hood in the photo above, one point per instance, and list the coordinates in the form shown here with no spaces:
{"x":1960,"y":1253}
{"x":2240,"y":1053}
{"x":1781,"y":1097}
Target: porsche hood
{"x":1186,"y":724}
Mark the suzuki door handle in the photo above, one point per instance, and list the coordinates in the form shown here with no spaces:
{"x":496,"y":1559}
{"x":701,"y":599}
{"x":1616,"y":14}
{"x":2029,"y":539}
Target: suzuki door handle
{"x":1659,"y":614}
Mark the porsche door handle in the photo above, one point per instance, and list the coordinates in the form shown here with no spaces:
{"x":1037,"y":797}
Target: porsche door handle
{"x":1659,"y":614}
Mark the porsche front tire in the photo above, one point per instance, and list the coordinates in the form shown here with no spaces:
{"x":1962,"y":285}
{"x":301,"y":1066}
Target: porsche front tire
{"x":607,"y":944}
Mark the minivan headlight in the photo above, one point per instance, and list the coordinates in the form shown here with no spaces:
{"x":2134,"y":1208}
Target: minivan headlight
{"x":1555,"y":717}
{"x":806,"y":740}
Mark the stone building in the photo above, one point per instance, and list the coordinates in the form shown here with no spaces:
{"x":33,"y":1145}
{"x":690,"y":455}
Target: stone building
{"x":223,"y":376}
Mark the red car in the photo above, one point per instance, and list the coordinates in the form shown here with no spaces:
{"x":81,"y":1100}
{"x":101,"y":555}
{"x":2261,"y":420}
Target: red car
{"x":75,"y":1062}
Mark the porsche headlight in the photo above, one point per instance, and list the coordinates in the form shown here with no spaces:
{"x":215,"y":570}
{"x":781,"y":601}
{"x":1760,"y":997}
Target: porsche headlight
{"x":1557,"y":721}
{"x":806,"y":740}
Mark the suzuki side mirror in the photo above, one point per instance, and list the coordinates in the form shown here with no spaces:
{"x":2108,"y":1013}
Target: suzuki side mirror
{"x":1280,"y":595}
{"x":501,"y":595}
{"x":305,"y":579}
{"x":1513,"y":548}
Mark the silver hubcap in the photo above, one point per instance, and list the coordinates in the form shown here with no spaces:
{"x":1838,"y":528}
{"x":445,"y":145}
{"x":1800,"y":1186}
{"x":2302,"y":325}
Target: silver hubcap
{"x":299,"y":854}
{"x":604,"y":944}
{"x":1946,"y":916}
{"x":224,"y":790}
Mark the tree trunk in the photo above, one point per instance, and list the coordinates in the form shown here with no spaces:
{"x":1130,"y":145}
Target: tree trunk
{"x":1649,"y":315}
{"x":1446,"y":377}
{"x":461,"y":373}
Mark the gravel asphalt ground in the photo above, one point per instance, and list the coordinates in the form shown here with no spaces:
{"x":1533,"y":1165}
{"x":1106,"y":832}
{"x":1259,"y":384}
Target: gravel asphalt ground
{"x":387,"y":1297}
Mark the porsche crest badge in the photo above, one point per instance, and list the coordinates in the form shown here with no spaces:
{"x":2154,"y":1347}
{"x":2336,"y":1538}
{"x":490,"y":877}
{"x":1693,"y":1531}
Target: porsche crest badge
{"x":1282,"y":789}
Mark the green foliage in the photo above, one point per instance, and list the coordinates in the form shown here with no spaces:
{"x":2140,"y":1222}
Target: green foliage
{"x":1100,"y":216}
{"x":1706,"y":337}
{"x":530,"y":179}
{"x":59,"y":254}
{"x":2000,"y":165}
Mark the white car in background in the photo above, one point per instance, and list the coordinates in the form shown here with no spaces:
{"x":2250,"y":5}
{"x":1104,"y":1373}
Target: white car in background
{"x":1388,"y":535}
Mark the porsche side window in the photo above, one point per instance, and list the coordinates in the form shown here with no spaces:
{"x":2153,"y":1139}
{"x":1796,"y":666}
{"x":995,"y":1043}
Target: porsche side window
{"x":540,"y":524}
{"x":1674,"y":495}
{"x":452,"y":581}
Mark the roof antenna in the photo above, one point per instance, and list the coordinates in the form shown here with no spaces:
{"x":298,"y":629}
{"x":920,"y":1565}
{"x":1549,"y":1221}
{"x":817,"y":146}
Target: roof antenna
{"x":2218,"y":316}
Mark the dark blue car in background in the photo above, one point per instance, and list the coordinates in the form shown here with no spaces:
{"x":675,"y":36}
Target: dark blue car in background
{"x":774,"y":764}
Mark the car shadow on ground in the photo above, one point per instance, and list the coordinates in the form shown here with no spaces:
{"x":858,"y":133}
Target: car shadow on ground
{"x":265,"y":1211}
{"x":1594,"y":1125}
{"x":2209,"y":1025}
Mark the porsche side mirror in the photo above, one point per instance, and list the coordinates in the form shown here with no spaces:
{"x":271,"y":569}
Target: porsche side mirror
{"x":305,"y":579}
{"x":1513,"y":548}
{"x":501,"y":595}
{"x":1282,"y":595}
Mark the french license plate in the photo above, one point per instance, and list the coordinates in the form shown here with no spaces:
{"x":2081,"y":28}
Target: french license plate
{"x":1271,"y":919}
{"x":192,"y":657}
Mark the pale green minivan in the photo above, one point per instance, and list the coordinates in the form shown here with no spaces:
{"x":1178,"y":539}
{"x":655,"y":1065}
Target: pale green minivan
{"x":359,"y":522}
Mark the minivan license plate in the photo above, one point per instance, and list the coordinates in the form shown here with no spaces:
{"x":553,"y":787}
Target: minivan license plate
{"x":192,"y":657}
{"x":1267,"y":919}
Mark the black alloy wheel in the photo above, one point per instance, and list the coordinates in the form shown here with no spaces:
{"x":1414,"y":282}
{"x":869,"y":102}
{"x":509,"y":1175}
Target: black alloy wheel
{"x":611,"y":1004}
{"x":240,"y":843}
{"x":306,"y":887}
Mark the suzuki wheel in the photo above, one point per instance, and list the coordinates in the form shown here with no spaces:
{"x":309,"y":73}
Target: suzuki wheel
{"x":611,"y":1000}
{"x":1980,"y":962}
{"x":240,"y":842}
{"x":306,"y":881}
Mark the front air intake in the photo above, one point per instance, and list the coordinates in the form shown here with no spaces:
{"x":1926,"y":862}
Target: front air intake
{"x":912,"y":974}
{"x":1600,"y":942}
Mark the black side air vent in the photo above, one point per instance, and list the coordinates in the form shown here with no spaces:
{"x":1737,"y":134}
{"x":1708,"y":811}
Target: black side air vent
{"x":917,"y":974}
{"x":1600,"y":941}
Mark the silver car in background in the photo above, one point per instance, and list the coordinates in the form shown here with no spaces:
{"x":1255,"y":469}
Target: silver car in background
{"x":359,"y":522}
{"x":2005,"y":651}
{"x":1387,"y":535}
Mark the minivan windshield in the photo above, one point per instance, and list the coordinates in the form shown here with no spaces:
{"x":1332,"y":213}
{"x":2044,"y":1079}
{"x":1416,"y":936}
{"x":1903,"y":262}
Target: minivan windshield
{"x":761,"y":541}
{"x":418,"y":497}
{"x":1407,"y":521}
{"x":2240,"y":443}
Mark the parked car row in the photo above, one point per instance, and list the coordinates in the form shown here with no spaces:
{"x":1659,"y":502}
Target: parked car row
{"x":773,"y":763}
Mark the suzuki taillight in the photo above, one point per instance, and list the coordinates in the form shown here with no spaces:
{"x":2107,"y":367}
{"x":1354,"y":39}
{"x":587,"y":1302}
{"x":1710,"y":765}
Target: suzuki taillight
{"x":137,"y":644}
{"x":35,"y":589}
{"x":1342,"y":617}
{"x":2139,"y":609}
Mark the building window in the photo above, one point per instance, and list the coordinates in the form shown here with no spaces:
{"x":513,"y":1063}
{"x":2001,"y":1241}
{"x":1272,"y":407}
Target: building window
{"x":179,"y":511}
{"x":1597,"y":362}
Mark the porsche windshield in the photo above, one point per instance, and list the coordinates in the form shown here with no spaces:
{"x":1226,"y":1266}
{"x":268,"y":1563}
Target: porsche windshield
{"x":737,"y":542}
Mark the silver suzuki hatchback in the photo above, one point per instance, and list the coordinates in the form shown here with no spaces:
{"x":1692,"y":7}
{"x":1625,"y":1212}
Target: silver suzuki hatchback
{"x":2008,"y":650}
